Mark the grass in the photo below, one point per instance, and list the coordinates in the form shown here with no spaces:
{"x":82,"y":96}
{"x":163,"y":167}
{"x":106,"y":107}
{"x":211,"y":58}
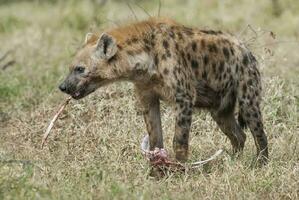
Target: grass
{"x":93,"y":151}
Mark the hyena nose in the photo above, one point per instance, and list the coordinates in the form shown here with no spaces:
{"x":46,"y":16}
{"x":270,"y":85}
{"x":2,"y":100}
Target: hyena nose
{"x":62,"y":87}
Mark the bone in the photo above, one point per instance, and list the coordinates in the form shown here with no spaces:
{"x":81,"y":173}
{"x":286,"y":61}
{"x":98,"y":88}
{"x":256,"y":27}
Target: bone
{"x":160,"y":157}
{"x":145,"y":144}
{"x":61,"y":108}
{"x":202,"y":162}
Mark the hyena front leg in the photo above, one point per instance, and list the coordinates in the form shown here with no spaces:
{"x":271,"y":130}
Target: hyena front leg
{"x":150,"y":106}
{"x":182,"y":127}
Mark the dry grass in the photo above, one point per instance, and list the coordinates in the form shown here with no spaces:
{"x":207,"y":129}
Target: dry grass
{"x":93,"y":151}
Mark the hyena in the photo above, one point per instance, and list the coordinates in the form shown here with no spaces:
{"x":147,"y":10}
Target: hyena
{"x":187,"y":67}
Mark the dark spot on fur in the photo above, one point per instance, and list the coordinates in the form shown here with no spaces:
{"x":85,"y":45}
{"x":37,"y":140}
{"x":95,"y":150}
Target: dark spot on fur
{"x":256,"y":93}
{"x":242,"y":69}
{"x":168,"y":54}
{"x":179,"y":82}
{"x":130,"y":52}
{"x":204,"y":75}
{"x":146,"y":41}
{"x":134,"y":40}
{"x":194,"y":46}
{"x":165,"y":44}
{"x":206,"y":60}
{"x":228,"y":70}
{"x":166,"y":71}
{"x":203,"y":43}
{"x":188,"y":56}
{"x":183,"y":54}
{"x":252,"y":58}
{"x":175,"y":75}
{"x":249,"y":82}
{"x":237,"y":68}
{"x":244,"y":88}
{"x":182,"y":122}
{"x":113,"y":59}
{"x":171,"y":34}
{"x":180,"y":35}
{"x":248,"y":115}
{"x":232,"y":51}
{"x":214,"y":67}
{"x":211,"y":32}
{"x":153,"y":36}
{"x":212,"y":48}
{"x":184,"y":62}
{"x":147,"y":48}
{"x":163,"y":57}
{"x":226,"y":53}
{"x":221,"y":67}
{"x":188,"y":31}
{"x":219,"y":77}
{"x":156,"y":60}
{"x":245,"y":60}
{"x":129,"y":42}
{"x":194,"y":64}
{"x":119,"y":47}
{"x":224,"y":76}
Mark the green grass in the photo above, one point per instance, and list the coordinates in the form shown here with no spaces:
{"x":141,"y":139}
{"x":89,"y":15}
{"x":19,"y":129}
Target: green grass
{"x":93,"y":151}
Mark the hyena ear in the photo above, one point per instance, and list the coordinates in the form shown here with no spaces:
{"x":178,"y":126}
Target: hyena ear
{"x":106,"y":47}
{"x":90,"y":37}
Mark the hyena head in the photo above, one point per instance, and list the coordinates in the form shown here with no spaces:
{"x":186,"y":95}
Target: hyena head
{"x":93,"y":66}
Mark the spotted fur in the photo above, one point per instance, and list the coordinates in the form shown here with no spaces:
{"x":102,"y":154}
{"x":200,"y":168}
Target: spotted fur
{"x":187,"y":67}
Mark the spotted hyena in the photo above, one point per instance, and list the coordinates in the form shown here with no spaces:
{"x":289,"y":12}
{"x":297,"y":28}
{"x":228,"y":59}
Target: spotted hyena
{"x":187,"y":67}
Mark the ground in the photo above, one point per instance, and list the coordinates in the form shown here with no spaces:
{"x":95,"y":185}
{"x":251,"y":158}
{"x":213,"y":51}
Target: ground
{"x":93,"y":151}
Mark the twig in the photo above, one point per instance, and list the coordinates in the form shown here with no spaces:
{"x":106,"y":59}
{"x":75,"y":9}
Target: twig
{"x":144,"y":10}
{"x":5,"y":55}
{"x":8,"y":64}
{"x":61,"y":108}
{"x":159,"y":9}
{"x":132,"y":11}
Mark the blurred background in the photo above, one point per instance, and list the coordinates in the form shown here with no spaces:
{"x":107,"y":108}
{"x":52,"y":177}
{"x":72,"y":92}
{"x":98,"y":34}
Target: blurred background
{"x":82,"y":160}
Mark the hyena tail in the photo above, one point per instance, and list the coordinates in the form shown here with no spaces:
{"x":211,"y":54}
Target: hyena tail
{"x":250,"y":63}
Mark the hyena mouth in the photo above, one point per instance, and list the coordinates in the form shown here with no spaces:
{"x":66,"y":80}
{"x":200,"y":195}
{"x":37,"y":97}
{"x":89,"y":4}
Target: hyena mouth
{"x":81,"y":93}
{"x":77,"y":95}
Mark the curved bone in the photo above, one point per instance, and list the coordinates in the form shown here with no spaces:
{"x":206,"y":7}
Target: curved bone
{"x":61,"y":108}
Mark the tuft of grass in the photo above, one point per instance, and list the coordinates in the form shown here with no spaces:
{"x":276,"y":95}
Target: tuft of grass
{"x":10,"y":23}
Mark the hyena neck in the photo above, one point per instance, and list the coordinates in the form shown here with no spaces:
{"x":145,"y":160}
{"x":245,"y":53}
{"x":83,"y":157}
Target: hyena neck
{"x":137,"y":62}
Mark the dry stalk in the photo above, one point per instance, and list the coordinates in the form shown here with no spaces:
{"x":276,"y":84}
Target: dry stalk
{"x":5,"y":55}
{"x":61,"y":108}
{"x":9,"y":63}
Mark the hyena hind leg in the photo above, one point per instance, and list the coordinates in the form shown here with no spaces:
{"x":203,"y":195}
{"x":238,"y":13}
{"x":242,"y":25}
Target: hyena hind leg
{"x":225,"y":118}
{"x":228,"y":125}
{"x":253,"y":119}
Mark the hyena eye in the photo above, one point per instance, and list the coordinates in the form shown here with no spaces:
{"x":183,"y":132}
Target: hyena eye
{"x":79,"y":69}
